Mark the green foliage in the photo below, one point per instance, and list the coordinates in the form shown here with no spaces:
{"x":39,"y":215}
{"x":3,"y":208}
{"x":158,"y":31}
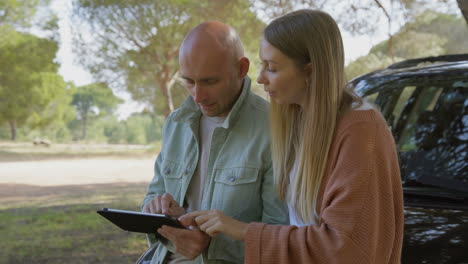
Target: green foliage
{"x":139,"y":128}
{"x":58,"y":110}
{"x":143,"y":128}
{"x":93,"y":100}
{"x":430,"y":34}
{"x":18,"y":12}
{"x":31,"y":92}
{"x":114,"y":131}
{"x":8,"y":35}
{"x":134,"y":45}
{"x":367,"y":64}
{"x":21,"y":15}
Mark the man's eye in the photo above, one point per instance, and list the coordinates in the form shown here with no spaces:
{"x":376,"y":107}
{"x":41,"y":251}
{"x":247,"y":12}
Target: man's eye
{"x":211,"y":81}
{"x":270,"y":69}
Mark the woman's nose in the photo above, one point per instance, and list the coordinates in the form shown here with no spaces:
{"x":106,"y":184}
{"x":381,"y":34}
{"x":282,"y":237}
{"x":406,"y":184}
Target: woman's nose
{"x":261,"y":78}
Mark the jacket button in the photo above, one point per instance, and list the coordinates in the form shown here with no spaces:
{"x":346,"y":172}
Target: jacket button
{"x":186,"y":171}
{"x":167,"y":170}
{"x":232,"y":179}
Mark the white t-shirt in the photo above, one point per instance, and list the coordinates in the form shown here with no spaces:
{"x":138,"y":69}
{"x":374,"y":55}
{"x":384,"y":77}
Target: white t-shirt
{"x":194,"y":194}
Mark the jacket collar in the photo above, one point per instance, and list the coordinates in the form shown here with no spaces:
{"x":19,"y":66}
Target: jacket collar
{"x":190,"y":112}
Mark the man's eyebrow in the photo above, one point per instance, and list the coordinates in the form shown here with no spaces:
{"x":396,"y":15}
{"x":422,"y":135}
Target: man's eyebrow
{"x":186,"y":78}
{"x":208,"y":79}
{"x":204,"y":79}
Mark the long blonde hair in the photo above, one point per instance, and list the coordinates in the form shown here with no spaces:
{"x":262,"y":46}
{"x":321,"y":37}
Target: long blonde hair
{"x":304,"y":135}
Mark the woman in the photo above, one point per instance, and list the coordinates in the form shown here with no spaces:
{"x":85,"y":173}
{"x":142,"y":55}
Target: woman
{"x":334,"y":158}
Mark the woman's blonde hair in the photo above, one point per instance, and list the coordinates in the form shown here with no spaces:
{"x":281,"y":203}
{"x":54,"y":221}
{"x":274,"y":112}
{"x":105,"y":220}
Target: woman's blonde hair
{"x":304,"y":135}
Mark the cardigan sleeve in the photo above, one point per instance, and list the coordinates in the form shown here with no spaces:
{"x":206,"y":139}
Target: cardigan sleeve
{"x":360,"y":203}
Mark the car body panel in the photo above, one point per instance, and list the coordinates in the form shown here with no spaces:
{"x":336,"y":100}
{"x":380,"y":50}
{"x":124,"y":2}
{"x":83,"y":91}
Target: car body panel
{"x":425,"y":103}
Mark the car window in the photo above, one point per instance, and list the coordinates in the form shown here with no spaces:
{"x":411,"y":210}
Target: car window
{"x":401,"y":103}
{"x":430,"y":126}
{"x":417,"y":114}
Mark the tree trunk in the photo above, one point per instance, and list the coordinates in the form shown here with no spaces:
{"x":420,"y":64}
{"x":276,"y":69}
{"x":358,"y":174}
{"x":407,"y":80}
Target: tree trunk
{"x":169,"y":91}
{"x":390,"y":38}
{"x":164,"y":82}
{"x":85,"y":124}
{"x":167,"y":109}
{"x":463,"y":5}
{"x":13,"y":129}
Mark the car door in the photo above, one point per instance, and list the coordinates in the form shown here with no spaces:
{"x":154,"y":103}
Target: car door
{"x":429,"y":121}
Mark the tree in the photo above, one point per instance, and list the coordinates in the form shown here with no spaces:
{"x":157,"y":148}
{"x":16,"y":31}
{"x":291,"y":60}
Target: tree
{"x":134,"y":45}
{"x":18,"y":12}
{"x":57,"y":111}
{"x":463,"y":5}
{"x":28,"y":80}
{"x":429,"y":34}
{"x":361,"y":17}
{"x":19,"y":15}
{"x":93,"y":100}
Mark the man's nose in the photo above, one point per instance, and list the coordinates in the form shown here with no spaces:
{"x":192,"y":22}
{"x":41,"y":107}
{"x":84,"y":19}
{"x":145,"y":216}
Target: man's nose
{"x":198,"y":94}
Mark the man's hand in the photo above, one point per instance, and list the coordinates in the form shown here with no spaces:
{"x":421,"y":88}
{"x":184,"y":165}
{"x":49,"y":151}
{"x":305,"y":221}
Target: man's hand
{"x":213,"y":222}
{"x":189,"y":243}
{"x":164,"y":204}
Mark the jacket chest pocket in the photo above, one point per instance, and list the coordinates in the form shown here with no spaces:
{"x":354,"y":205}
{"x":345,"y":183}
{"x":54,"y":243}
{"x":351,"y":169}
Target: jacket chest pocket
{"x":172,"y":173}
{"x":237,"y":190}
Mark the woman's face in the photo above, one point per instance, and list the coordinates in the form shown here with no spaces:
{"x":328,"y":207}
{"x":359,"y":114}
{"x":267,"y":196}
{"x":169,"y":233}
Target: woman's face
{"x":281,"y":77}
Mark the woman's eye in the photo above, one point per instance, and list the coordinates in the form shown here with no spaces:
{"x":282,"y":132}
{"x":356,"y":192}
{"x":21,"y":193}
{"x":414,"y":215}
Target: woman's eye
{"x":264,"y":66}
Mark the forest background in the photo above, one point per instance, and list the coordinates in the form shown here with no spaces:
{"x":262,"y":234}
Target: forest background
{"x":131,"y":47}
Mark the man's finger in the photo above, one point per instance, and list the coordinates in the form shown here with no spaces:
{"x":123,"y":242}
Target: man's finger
{"x":168,"y":196}
{"x":176,"y":211}
{"x":168,"y":232}
{"x":154,"y":206}
{"x":147,"y":209}
{"x":165,"y":204}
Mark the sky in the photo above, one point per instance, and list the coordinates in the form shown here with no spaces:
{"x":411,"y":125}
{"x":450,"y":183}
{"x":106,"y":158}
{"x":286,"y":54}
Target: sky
{"x":355,"y":46}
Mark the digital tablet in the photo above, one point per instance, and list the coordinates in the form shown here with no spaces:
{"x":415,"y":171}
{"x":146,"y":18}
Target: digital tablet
{"x":137,"y":221}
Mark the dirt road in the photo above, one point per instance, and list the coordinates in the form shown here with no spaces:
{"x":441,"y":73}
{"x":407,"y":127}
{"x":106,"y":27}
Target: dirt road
{"x":77,"y":171}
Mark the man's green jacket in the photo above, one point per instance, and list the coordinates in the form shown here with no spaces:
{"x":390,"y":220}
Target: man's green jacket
{"x":239,"y":180}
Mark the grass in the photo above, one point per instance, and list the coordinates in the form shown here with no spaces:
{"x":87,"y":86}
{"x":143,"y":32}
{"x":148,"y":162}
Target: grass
{"x":60,"y":225}
{"x":26,"y":151}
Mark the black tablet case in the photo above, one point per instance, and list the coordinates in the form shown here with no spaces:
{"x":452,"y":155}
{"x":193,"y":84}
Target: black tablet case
{"x":136,"y":222}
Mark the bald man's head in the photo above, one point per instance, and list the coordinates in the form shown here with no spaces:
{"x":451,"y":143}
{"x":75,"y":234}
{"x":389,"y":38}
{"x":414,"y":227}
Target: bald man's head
{"x":213,"y":66}
{"x":213,"y":36}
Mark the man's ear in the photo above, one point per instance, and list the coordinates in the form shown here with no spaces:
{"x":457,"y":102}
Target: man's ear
{"x":244,"y":65}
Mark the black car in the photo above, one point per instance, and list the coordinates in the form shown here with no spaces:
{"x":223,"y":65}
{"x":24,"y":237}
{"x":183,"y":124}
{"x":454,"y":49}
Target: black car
{"x":425,"y":103}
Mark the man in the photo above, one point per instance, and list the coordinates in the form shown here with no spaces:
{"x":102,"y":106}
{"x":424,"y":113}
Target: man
{"x":215,"y":152}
